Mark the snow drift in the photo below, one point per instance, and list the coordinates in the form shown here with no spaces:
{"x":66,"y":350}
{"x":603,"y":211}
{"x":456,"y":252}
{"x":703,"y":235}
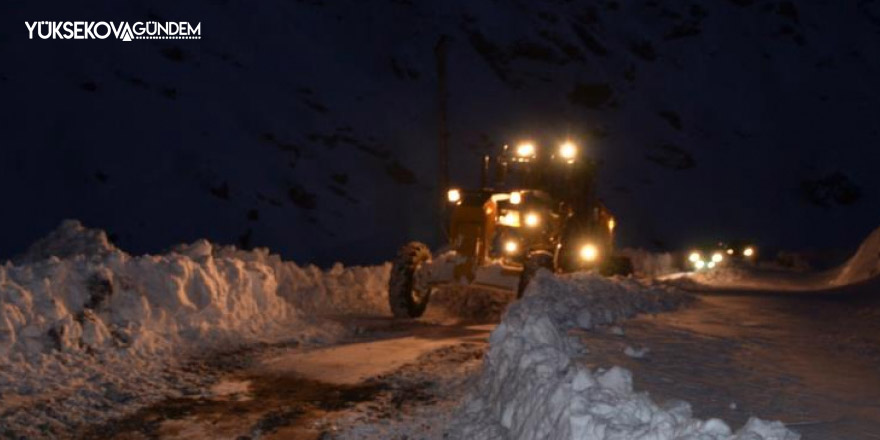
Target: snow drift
{"x":533,"y":387}
{"x":99,"y":319}
{"x":864,"y":264}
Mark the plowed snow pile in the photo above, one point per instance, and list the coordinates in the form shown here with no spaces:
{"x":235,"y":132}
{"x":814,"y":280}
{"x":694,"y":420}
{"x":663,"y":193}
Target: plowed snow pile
{"x":864,"y":265}
{"x":89,"y":335}
{"x":532,"y":386}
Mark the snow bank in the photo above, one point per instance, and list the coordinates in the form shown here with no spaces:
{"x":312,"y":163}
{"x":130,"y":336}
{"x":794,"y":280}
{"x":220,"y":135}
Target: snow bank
{"x":533,"y":387}
{"x":864,"y":264}
{"x":98,"y":319}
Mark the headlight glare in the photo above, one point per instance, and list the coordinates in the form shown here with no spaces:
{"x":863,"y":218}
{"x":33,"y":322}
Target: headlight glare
{"x":515,"y":198}
{"x":589,"y":252}
{"x":453,"y":195}
{"x":532,"y":219}
{"x":525,"y":150}
{"x":568,"y":151}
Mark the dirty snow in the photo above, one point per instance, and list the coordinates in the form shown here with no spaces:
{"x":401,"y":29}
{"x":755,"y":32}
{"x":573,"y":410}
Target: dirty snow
{"x":532,"y":385}
{"x":98,"y":332}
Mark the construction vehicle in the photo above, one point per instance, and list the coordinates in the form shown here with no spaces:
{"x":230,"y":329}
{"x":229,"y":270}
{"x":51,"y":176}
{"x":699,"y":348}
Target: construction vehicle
{"x":536,"y":208}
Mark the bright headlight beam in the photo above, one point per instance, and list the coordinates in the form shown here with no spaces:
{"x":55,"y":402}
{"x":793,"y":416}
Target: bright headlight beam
{"x":568,"y":151}
{"x":699,"y":264}
{"x":694,"y":257}
{"x":748,"y":252}
{"x":453,"y":195}
{"x":717,"y":257}
{"x":515,"y":197}
{"x":532,"y":219}
{"x":589,"y":252}
{"x":510,"y":246}
{"x":525,"y":149}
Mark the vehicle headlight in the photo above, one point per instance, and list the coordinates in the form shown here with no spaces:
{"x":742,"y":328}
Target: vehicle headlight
{"x":717,"y":257}
{"x":710,"y":265}
{"x":748,"y":252}
{"x":730,"y":252}
{"x":694,"y":257}
{"x":525,"y":150}
{"x":589,"y":252}
{"x":568,"y":151}
{"x":515,"y":197}
{"x":611,"y":224}
{"x":511,"y":246}
{"x":453,"y":195}
{"x":532,"y":219}
{"x":699,"y":264}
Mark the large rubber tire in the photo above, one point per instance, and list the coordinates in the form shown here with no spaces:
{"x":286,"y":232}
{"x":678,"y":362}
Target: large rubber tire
{"x":405,"y":301}
{"x":616,"y":265}
{"x":535,"y":261}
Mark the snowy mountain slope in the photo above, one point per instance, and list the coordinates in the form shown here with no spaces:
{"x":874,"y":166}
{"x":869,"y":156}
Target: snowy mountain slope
{"x":309,"y":126}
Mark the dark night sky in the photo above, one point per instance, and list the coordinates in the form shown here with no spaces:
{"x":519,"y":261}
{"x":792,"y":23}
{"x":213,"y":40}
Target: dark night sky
{"x":309,"y":126}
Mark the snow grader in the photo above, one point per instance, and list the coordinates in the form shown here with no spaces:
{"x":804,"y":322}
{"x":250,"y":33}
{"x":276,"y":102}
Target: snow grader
{"x":536,"y":208}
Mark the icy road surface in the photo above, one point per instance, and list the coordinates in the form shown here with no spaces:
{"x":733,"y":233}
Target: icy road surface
{"x":409,"y":371}
{"x":810,"y":359}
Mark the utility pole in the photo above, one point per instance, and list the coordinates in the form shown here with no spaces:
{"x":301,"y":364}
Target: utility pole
{"x":442,"y":127}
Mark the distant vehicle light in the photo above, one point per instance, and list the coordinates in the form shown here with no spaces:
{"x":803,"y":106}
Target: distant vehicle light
{"x":699,"y":264}
{"x":532,"y":219}
{"x":748,"y":252}
{"x":589,"y":252}
{"x":730,"y":252}
{"x":717,"y":257}
{"x":568,"y":151}
{"x":525,"y":150}
{"x":710,"y":265}
{"x":511,"y":247}
{"x":694,"y":257}
{"x":611,"y":224}
{"x":515,"y":198}
{"x":453,"y":195}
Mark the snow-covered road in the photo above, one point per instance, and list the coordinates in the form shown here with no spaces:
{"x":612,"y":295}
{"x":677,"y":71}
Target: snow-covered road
{"x":809,"y":359}
{"x":406,"y":371}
